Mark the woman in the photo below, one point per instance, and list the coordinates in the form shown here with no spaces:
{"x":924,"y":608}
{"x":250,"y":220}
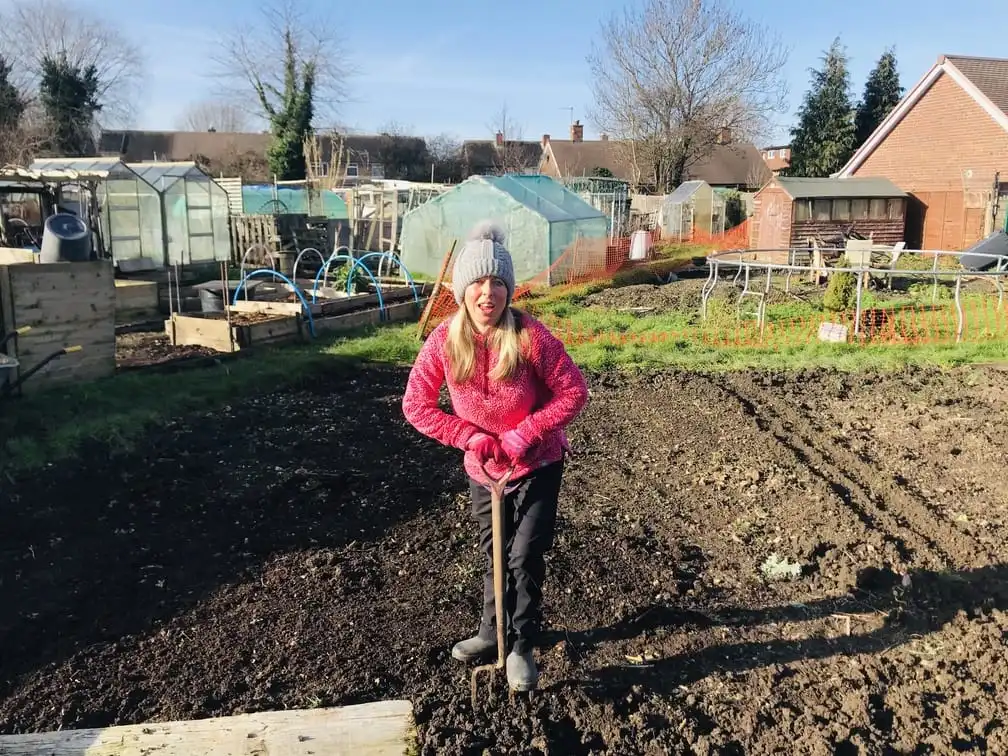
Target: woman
{"x":513,"y":390}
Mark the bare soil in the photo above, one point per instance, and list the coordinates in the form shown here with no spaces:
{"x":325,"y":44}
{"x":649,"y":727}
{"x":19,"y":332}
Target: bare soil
{"x":272,"y":555}
{"x":685,"y":296}
{"x":143,"y":348}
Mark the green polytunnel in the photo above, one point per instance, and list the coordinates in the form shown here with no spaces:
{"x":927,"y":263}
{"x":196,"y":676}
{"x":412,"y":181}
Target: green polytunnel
{"x":541,"y":220}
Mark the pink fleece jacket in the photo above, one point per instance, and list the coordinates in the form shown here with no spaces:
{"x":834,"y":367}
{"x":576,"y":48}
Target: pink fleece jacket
{"x":540,"y":400}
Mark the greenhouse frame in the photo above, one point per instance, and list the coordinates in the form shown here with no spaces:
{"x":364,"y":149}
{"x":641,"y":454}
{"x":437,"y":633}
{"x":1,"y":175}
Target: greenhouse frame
{"x":541,"y":220}
{"x":693,"y":206}
{"x":195,"y":214}
{"x":129,"y":208}
{"x":610,"y":196}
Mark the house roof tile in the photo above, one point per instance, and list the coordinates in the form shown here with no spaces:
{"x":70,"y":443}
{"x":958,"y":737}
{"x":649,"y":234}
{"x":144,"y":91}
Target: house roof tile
{"x":989,"y":75}
{"x":727,"y":165}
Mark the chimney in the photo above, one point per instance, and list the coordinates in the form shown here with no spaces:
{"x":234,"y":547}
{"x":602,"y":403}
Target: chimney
{"x":545,"y":140}
{"x":577,"y":132}
{"x":500,"y":139}
{"x":604,"y":137}
{"x":724,"y":135}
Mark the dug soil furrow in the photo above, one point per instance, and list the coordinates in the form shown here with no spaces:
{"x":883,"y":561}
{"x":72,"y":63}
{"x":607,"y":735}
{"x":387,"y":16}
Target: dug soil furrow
{"x":878,"y":500}
{"x":728,"y":575}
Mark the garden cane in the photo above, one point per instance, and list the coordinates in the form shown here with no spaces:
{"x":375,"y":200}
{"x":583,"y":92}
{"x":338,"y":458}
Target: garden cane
{"x":497,"y":490}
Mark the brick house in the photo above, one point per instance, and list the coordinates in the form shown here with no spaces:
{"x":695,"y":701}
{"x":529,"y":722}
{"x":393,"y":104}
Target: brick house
{"x":787,"y":212}
{"x":730,"y":165}
{"x":946,"y":144}
{"x":777,"y":158}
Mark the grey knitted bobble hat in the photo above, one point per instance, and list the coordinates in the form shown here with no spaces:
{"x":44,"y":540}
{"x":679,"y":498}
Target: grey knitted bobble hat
{"x":484,"y":254}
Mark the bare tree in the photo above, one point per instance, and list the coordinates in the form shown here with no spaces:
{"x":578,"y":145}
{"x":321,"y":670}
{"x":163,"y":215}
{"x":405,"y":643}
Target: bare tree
{"x":444,"y":148}
{"x":759,"y":173}
{"x":511,"y":151}
{"x":214,"y":115}
{"x":669,"y":75}
{"x":19,"y":145}
{"x":445,"y":153}
{"x":32,"y":30}
{"x":250,"y":61}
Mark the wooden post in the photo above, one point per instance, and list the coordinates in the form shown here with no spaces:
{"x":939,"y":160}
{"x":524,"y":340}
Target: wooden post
{"x":7,"y":323}
{"x":227,"y":304}
{"x":428,"y":310}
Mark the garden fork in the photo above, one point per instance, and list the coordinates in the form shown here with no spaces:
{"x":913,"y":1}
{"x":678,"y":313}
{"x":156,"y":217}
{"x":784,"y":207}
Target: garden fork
{"x":497,"y":491}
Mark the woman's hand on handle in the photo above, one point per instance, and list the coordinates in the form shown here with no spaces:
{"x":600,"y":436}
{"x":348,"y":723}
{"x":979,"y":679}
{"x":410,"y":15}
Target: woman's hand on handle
{"x":486,"y":448}
{"x":514,"y":445}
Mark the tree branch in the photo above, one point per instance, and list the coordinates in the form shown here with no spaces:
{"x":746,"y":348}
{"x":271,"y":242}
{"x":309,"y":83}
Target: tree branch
{"x":669,"y":76}
{"x":32,"y":30}
{"x":249,"y":64}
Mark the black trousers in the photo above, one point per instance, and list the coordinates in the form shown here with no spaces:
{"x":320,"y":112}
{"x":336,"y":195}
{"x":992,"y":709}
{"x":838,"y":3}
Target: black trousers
{"x":529,"y":525}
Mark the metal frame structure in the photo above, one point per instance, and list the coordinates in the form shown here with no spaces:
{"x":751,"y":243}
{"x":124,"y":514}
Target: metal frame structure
{"x":745,"y":268}
{"x":610,"y":196}
{"x":163,"y":177}
{"x":93,"y":174}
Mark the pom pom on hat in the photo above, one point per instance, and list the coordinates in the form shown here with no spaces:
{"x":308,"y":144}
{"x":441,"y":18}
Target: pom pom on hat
{"x":484,"y":254}
{"x":487,"y":230}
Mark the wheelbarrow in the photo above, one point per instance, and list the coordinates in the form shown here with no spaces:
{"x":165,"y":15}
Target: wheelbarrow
{"x":9,"y":387}
{"x":17,"y":332}
{"x":497,"y":490}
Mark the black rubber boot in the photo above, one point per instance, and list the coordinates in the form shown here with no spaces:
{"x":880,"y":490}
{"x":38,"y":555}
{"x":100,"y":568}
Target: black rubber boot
{"x":522,"y":674}
{"x":477,"y":647}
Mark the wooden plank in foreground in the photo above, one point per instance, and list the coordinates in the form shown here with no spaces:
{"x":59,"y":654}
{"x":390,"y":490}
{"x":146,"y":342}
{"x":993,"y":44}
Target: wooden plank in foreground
{"x":375,"y":729}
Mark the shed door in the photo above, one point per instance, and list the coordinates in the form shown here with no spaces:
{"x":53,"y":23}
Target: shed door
{"x":950,"y":222}
{"x":773,"y":229}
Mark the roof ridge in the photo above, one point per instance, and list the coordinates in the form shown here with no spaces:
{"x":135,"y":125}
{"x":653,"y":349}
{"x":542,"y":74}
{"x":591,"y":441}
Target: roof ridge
{"x":988,"y":59}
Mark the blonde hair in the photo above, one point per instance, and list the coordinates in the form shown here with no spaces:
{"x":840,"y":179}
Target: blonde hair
{"x":509,"y":339}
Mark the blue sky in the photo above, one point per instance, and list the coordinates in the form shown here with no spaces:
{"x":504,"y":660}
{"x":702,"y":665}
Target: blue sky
{"x":446,"y":66}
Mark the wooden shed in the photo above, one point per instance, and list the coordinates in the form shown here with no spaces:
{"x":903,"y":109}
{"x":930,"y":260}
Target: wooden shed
{"x":788,"y":212}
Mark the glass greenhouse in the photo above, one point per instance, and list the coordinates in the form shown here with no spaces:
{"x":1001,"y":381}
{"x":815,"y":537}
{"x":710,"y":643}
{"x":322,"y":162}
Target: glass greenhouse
{"x":540,"y":217}
{"x":609,"y":195}
{"x":194,"y":209}
{"x":693,"y":206}
{"x":128,"y":206}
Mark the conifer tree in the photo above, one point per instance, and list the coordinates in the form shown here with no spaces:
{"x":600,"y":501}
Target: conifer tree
{"x":12,"y":104}
{"x":69,"y":95}
{"x":824,"y":140}
{"x":882,"y":93}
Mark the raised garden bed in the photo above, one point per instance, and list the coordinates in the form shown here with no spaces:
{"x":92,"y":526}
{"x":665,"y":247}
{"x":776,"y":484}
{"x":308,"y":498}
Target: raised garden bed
{"x":255,"y":322}
{"x":329,"y":300}
{"x":242,"y":330}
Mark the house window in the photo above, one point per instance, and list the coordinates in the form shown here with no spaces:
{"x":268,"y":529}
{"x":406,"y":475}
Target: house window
{"x":822,"y":209}
{"x":878,"y":209}
{"x":841,"y":209}
{"x":770,"y":154}
{"x":352,"y":170}
{"x":895,"y":209}
{"x":859,"y":209}
{"x":801,"y":210}
{"x":378,"y":171}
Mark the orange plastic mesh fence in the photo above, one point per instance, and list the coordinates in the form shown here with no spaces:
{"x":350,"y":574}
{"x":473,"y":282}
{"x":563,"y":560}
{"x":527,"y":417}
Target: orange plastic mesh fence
{"x":585,"y":261}
{"x":734,"y":238}
{"x":984,"y":320}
